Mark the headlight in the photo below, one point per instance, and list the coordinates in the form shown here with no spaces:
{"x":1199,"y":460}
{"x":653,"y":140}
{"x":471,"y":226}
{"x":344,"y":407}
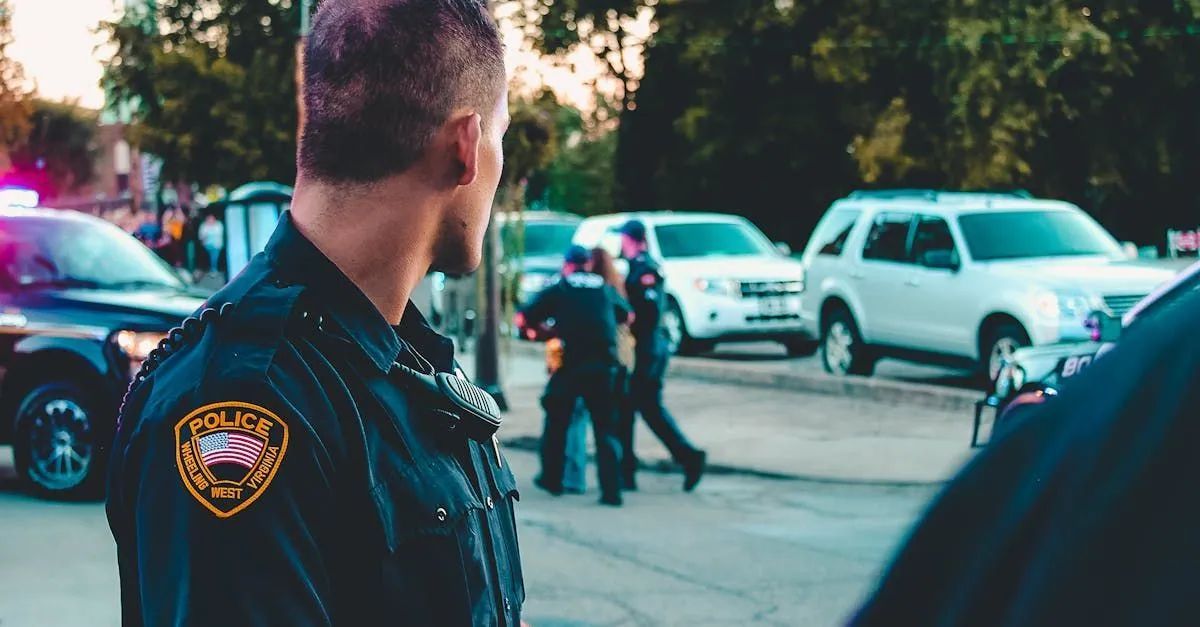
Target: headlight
{"x":1078,"y":306}
{"x":1069,"y":306}
{"x":137,"y":346}
{"x":720,"y":287}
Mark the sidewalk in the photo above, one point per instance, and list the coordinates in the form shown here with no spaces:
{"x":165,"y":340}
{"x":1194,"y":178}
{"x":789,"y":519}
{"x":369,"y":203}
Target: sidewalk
{"x":777,"y":432}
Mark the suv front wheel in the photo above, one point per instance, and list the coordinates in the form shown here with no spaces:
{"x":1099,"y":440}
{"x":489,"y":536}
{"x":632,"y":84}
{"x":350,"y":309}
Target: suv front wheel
{"x":998,"y":345}
{"x":843,"y":351}
{"x":55,"y":447}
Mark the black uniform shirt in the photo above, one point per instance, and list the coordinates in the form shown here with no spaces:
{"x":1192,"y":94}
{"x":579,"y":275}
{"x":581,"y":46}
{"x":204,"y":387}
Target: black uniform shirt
{"x":647,"y":294}
{"x":586,"y":313}
{"x":1083,"y":513}
{"x":272,"y":469}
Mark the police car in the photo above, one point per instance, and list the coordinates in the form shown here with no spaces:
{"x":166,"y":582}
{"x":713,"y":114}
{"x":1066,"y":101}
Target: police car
{"x":1032,"y":374}
{"x":82,"y":304}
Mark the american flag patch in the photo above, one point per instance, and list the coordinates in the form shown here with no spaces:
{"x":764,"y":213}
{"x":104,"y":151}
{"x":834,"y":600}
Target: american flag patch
{"x":229,"y":448}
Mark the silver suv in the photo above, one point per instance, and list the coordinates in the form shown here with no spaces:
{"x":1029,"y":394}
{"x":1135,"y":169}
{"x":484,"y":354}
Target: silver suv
{"x":960,"y":279}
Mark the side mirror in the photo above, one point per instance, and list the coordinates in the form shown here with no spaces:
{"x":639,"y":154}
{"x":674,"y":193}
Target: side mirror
{"x":1104,"y":328}
{"x":783,"y":248}
{"x":940,"y":260}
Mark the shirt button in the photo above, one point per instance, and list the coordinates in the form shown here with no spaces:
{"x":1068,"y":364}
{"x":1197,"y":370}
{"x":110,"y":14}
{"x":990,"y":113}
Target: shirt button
{"x":441,"y":514}
{"x":507,"y":606}
{"x":490,"y":503}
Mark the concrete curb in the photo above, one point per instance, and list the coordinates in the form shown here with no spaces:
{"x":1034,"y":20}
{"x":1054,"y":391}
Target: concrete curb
{"x":533,"y":444}
{"x":888,"y":391}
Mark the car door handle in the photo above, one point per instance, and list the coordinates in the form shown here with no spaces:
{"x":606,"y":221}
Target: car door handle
{"x":912,"y":282}
{"x":857,"y":276}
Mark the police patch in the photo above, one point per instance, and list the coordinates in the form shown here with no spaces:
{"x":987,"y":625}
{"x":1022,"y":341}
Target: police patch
{"x":227,"y":454}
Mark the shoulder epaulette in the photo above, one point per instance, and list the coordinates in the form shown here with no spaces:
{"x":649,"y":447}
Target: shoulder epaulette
{"x":190,"y":329}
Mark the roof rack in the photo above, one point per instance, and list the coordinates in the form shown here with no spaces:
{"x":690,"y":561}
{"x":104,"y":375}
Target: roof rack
{"x":934,"y":195}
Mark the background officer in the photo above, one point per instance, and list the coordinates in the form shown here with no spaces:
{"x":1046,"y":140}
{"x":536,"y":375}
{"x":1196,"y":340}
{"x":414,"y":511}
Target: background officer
{"x":586,"y":312}
{"x":282,"y":460}
{"x":647,"y":295}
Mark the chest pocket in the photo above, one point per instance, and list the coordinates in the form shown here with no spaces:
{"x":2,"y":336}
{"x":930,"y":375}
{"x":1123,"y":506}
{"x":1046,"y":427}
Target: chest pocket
{"x":502,"y":517}
{"x":436,"y":565}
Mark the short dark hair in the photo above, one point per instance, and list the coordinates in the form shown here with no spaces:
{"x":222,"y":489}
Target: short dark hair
{"x":381,"y":76}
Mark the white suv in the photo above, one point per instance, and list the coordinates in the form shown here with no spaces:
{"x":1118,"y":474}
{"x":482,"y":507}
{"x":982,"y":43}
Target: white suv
{"x":725,"y":280}
{"x":959,"y":278}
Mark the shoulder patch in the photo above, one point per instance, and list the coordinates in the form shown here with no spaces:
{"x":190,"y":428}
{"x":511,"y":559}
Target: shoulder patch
{"x":227,"y":454}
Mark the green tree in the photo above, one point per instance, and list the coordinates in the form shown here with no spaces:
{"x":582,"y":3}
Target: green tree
{"x":211,"y":86}
{"x":58,"y":154}
{"x":607,"y":28}
{"x":772,"y":109}
{"x":15,"y":100}
{"x":580,"y":178}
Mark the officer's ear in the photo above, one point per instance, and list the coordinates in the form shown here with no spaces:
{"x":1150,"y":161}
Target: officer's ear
{"x":467,"y":132}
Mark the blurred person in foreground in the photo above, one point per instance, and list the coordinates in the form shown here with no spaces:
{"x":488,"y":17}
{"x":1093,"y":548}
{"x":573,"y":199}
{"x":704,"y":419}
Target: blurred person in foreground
{"x":288,"y":458}
{"x":586,"y":313}
{"x":1083,"y":512}
{"x":647,"y":294}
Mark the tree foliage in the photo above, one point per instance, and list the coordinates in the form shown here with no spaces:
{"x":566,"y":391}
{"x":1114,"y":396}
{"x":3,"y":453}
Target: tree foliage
{"x":15,"y":99}
{"x":211,"y":85}
{"x":773,"y":109}
{"x":57,"y":155}
{"x":607,"y":28}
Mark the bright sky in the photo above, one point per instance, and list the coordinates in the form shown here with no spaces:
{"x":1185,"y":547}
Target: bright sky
{"x":55,"y":42}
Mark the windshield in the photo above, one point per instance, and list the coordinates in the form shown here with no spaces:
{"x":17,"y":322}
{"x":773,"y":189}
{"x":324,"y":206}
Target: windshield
{"x":70,"y":253}
{"x":541,"y":238}
{"x":1030,"y":234}
{"x":711,"y":239}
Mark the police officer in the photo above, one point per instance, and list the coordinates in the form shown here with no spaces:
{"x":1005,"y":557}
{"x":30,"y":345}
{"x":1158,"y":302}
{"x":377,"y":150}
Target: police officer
{"x":283,"y":459}
{"x":647,"y":294}
{"x":586,"y":312}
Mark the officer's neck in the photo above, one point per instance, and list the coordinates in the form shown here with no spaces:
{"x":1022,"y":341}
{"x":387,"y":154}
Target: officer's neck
{"x":384,"y":249}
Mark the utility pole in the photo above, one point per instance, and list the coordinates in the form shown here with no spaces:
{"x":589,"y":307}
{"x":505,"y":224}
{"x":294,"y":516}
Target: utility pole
{"x":487,"y":353}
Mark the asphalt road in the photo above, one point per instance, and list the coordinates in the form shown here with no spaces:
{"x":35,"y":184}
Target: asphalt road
{"x":774,"y":355}
{"x":739,"y":551}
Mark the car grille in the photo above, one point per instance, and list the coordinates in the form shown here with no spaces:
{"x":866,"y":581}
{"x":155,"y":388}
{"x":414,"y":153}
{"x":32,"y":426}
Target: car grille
{"x":760,"y":289}
{"x":1120,"y":305}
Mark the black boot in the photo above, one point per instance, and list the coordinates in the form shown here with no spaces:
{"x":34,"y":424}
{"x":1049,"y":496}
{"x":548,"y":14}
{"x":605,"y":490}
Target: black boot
{"x":553,"y":490}
{"x":611,"y":500}
{"x":693,"y":470}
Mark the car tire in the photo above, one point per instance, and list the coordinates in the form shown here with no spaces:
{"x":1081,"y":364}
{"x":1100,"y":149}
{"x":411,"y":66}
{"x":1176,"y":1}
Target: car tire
{"x":1001,"y":339}
{"x":58,"y":442}
{"x":843,"y":351}
{"x":800,"y":347}
{"x":679,"y":342}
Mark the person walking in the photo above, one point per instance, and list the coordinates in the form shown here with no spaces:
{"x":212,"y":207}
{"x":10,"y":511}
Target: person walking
{"x":647,"y":294}
{"x":212,"y":238}
{"x":574,"y":475}
{"x":307,"y":452}
{"x":586,"y":313}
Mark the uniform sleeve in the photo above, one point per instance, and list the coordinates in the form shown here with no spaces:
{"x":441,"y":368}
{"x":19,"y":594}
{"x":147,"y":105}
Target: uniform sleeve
{"x":228,"y":498}
{"x":540,"y":308}
{"x":644,"y":296}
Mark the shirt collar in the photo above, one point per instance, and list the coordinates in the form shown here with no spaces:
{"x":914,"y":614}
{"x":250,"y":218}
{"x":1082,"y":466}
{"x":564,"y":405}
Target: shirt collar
{"x":297,"y":259}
